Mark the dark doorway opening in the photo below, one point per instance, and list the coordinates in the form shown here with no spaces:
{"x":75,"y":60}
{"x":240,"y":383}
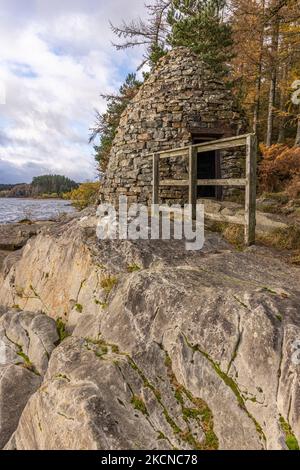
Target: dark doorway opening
{"x":208,"y":165}
{"x":206,"y":169}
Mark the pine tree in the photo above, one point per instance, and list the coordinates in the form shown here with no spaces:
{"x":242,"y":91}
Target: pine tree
{"x":107,"y":123}
{"x":151,"y":33}
{"x":52,"y":184}
{"x":266,"y":62}
{"x":200,"y":25}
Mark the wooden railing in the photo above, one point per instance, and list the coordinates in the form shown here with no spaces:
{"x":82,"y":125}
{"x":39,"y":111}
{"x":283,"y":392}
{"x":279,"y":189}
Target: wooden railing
{"x":192,"y":151}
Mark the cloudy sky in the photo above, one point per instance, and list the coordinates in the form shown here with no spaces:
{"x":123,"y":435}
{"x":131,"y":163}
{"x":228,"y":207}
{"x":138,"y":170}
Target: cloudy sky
{"x":56,"y":58}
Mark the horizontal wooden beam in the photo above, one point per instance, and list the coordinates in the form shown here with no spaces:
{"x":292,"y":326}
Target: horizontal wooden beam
{"x":220,"y":144}
{"x":174,"y":183}
{"x":210,"y":182}
{"x":183,"y":152}
{"x":223,"y":182}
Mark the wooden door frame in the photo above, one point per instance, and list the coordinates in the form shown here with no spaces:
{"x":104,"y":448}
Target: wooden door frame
{"x":249,"y":141}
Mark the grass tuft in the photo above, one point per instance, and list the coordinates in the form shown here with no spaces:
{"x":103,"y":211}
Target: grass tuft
{"x":233,"y":233}
{"x":108,"y":283}
{"x":280,"y":239}
{"x":79,"y":308}
{"x":139,"y":405}
{"x":131,"y":268}
{"x":290,"y":438}
{"x":61,"y":329}
{"x":283,"y":238}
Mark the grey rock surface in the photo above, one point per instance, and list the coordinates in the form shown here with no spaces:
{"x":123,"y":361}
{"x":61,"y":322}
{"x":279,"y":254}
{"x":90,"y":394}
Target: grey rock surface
{"x":26,"y":343}
{"x":168,"y":348}
{"x":17,"y":384}
{"x":234,"y":213}
{"x":15,"y":236}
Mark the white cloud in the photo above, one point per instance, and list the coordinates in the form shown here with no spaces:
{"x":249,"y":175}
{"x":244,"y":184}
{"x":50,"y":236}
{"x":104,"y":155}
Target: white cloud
{"x":56,"y":59}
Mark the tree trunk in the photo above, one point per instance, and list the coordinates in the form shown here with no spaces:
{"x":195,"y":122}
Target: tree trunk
{"x":282,"y":120}
{"x":259,"y":73}
{"x":272,"y":92}
{"x":257,"y":95}
{"x":297,"y":140}
{"x":271,"y":103}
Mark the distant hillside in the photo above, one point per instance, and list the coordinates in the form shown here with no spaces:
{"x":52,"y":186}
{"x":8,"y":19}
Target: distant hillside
{"x":46,"y":185}
{"x":52,"y":184}
{"x":6,"y":187}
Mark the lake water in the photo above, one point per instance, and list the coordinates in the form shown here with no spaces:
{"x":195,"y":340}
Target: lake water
{"x":16,"y":209}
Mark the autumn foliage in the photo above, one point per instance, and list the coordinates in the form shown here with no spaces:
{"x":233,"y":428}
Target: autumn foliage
{"x":279,"y":169}
{"x":85,"y":195}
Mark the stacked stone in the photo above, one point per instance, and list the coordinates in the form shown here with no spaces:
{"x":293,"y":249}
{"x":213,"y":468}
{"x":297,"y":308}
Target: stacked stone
{"x":180,"y":95}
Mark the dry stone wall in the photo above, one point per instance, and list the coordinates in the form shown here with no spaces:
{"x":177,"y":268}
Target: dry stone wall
{"x":181,"y":98}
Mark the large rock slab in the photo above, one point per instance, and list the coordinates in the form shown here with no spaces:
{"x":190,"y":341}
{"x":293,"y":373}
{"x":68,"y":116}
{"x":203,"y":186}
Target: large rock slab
{"x":15,"y":236}
{"x":17,"y":384}
{"x":234,"y":213}
{"x":26,"y":343}
{"x":224,"y":323}
{"x":63,"y":269}
{"x":86,"y":403}
{"x":168,"y":348}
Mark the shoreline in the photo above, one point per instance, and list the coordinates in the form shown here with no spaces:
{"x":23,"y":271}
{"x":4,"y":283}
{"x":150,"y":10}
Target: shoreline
{"x":35,"y":198}
{"x":25,"y":222}
{"x":30,"y":211}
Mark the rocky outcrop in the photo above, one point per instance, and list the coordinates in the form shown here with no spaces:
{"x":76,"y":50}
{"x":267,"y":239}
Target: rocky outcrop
{"x":17,"y":384}
{"x":166,"y":348}
{"x":26,"y":343}
{"x":15,"y":236}
{"x":231,"y":212}
{"x":20,"y":190}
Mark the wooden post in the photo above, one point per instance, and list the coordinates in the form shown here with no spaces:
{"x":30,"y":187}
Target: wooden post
{"x":193,"y":180}
{"x":218,"y":189}
{"x":155,"y":195}
{"x":250,"y":193}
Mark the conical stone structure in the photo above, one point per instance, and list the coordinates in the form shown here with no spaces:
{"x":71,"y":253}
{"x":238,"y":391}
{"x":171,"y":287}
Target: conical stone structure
{"x":182,"y":102}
